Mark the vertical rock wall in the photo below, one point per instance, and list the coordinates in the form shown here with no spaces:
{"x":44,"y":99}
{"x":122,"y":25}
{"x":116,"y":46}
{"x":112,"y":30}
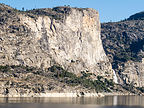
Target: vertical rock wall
{"x":41,"y":41}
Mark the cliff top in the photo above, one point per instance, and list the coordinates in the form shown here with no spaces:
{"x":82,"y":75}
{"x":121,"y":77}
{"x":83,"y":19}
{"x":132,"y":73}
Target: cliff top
{"x":56,"y":13}
{"x":3,"y":6}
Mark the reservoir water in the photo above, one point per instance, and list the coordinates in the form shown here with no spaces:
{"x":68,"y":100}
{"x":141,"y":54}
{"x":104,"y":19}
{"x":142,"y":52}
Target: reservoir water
{"x":105,"y":102}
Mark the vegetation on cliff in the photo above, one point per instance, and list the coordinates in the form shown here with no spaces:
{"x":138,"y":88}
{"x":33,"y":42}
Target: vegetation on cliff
{"x":23,"y":79}
{"x":100,"y":85}
{"x":40,"y":80}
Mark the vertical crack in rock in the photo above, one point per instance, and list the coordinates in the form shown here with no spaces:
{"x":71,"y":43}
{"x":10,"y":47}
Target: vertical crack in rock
{"x":44,"y":41}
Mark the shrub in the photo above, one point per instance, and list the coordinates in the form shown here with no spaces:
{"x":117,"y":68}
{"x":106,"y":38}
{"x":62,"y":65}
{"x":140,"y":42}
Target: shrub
{"x":4,"y":68}
{"x":141,"y":89}
{"x":73,"y":80}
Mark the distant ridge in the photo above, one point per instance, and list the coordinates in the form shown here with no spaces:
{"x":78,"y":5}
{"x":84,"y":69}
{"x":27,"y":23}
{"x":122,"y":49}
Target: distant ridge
{"x":123,"y":43}
{"x":137,"y":16}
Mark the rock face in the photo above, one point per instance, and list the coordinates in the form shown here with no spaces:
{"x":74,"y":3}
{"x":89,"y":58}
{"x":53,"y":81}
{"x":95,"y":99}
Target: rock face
{"x":124,"y":45}
{"x":133,"y":73}
{"x":66,"y":36}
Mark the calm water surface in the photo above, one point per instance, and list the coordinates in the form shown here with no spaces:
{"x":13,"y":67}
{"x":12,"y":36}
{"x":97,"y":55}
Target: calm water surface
{"x":106,"y":102}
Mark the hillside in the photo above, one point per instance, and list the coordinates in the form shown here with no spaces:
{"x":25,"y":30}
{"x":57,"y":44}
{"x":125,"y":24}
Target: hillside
{"x":124,"y":45}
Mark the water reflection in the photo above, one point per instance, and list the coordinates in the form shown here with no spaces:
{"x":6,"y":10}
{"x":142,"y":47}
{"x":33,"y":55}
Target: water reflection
{"x":115,"y":102}
{"x":106,"y":102}
{"x":125,"y":100}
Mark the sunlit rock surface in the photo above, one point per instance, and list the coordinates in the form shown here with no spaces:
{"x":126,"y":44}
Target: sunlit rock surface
{"x":69,"y":37}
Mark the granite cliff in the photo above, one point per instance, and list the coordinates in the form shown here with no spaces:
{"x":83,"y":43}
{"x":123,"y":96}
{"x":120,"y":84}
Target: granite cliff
{"x":66,"y":36}
{"x":51,"y":40}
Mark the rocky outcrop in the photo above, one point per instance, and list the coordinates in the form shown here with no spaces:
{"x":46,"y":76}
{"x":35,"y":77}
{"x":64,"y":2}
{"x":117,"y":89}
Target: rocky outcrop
{"x":133,"y":73}
{"x":69,"y":37}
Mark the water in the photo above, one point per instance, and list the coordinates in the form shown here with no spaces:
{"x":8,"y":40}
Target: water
{"x":106,"y":102}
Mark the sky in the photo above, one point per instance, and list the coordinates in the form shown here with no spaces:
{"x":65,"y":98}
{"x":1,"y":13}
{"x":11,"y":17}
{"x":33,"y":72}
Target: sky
{"x":109,"y":10}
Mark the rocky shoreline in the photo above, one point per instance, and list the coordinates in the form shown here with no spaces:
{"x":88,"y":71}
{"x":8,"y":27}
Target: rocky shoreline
{"x":20,"y":81}
{"x":77,"y":94}
{"x":121,"y":94}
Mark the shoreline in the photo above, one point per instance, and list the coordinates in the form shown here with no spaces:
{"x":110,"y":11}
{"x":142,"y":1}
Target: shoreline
{"x":59,"y":95}
{"x":79,"y":94}
{"x":119,"y":94}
